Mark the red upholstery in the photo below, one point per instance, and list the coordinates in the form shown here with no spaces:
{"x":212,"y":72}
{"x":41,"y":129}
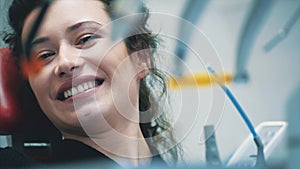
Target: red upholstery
{"x":10,"y":115}
{"x":19,"y":111}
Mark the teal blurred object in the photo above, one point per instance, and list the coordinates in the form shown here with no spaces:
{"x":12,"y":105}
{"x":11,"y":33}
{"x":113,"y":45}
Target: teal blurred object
{"x":283,"y":32}
{"x":191,"y":13}
{"x":4,"y":27}
{"x":252,"y":27}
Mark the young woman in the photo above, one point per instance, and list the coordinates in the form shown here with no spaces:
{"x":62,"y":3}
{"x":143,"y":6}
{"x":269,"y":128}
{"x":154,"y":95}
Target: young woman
{"x":105,"y":97}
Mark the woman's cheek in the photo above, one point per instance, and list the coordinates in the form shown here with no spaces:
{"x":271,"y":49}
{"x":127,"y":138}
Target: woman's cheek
{"x":40,"y":83}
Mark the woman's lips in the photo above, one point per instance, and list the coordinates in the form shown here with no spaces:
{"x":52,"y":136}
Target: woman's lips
{"x":78,"y":86}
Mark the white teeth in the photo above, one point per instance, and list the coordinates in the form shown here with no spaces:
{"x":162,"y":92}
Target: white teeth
{"x":74,"y":91}
{"x":85,"y":86}
{"x":66,"y":94}
{"x":90,"y":84}
{"x":79,"y":89}
{"x":69,"y":93}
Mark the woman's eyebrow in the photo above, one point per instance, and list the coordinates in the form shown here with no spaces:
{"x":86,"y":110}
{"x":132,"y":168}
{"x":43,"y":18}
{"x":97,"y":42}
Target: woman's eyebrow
{"x":39,"y":41}
{"x":81,"y":24}
{"x":69,"y":29}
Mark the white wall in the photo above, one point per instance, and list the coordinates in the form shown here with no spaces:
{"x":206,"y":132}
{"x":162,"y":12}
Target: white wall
{"x":273,"y":75}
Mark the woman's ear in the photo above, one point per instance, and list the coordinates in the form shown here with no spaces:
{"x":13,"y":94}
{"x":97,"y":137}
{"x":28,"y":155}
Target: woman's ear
{"x":142,"y":57}
{"x":143,"y":62}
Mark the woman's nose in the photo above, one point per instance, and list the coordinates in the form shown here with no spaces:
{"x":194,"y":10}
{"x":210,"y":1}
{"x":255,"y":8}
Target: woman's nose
{"x":68,"y":62}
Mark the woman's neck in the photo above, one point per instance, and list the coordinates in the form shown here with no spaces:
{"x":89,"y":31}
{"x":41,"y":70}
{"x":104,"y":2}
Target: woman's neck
{"x":125,"y":146}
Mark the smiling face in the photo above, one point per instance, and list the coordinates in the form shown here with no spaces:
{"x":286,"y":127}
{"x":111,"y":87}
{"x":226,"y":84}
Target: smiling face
{"x":83,"y":74}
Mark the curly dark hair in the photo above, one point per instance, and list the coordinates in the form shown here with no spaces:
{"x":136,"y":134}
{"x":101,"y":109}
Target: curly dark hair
{"x":158,"y":129}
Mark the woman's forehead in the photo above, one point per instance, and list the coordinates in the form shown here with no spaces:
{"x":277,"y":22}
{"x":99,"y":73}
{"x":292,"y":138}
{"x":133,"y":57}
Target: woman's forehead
{"x":66,"y":13}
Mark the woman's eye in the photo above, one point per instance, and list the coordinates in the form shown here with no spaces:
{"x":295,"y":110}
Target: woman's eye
{"x":47,"y":55}
{"x":86,"y":39}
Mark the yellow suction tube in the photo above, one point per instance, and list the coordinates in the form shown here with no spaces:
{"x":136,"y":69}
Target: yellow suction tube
{"x":202,"y":79}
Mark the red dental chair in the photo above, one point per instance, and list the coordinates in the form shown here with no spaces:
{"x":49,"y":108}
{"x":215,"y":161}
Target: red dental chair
{"x":22,"y":123}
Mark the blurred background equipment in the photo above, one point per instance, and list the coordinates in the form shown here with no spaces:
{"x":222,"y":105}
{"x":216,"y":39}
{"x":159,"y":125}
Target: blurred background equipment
{"x":191,"y":12}
{"x":197,"y":80}
{"x":283,"y":32}
{"x":4,"y":27}
{"x":257,"y":18}
{"x":211,"y":148}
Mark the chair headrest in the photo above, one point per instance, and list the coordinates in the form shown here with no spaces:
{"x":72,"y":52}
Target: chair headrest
{"x":19,"y":110}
